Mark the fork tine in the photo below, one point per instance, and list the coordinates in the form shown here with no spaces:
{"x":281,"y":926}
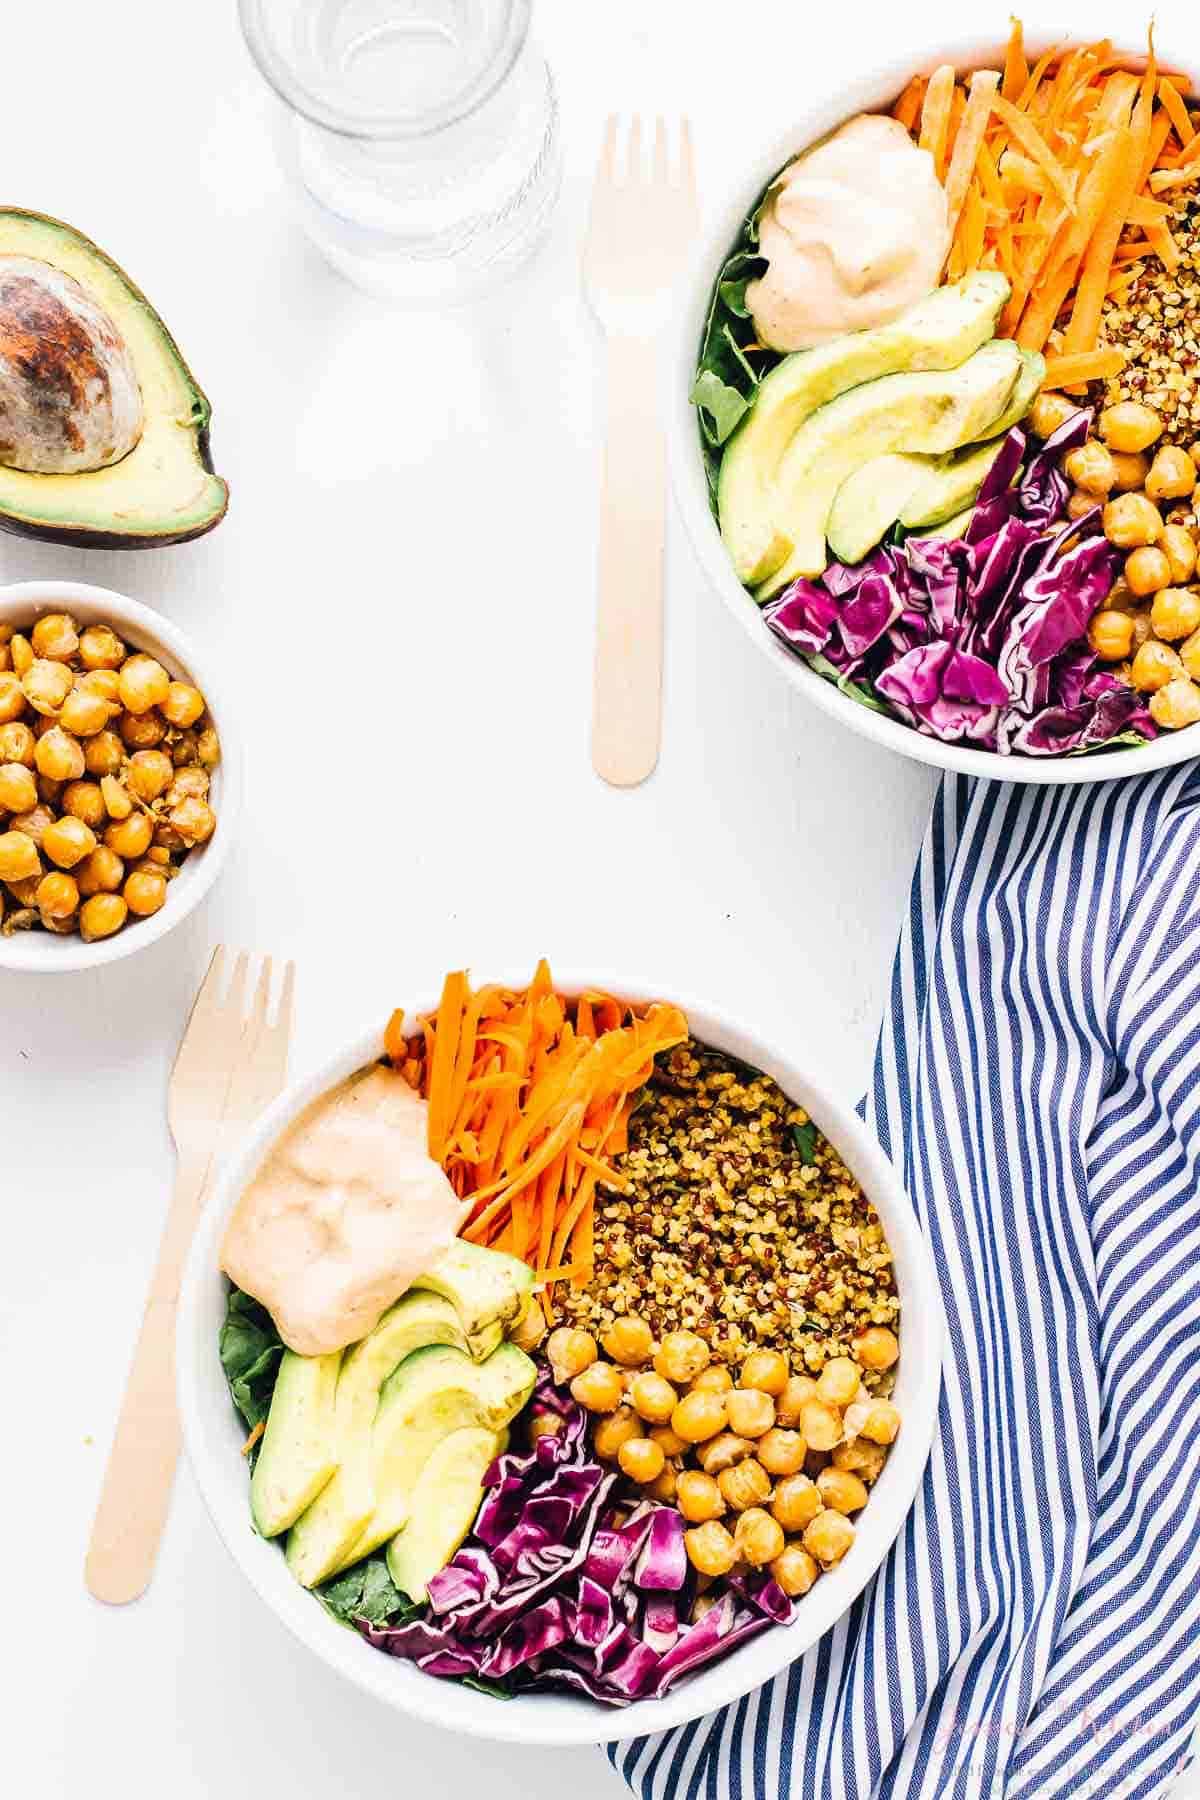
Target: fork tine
{"x":262,"y":997}
{"x":687,"y":161}
{"x":607,"y":165}
{"x":208,"y":993}
{"x":235,"y":999}
{"x":283,"y":1022}
{"x":633,"y":162}
{"x":661,"y":170}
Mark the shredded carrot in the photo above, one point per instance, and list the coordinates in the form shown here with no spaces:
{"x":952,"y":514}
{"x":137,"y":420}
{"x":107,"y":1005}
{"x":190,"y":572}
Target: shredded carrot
{"x":250,"y":1442}
{"x":1026,"y":133}
{"x":970,"y":135}
{"x":1165,"y":247}
{"x":1173,"y":105}
{"x":1089,"y":365}
{"x":935,"y":114}
{"x":529,"y":1099}
{"x":1162,"y":179}
{"x":908,"y":107}
{"x":1016,"y":68}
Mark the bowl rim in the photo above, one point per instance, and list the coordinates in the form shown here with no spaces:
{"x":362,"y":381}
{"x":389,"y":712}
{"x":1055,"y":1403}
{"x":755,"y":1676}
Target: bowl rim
{"x":869,"y":91}
{"x":41,"y":953}
{"x":212,"y":1434}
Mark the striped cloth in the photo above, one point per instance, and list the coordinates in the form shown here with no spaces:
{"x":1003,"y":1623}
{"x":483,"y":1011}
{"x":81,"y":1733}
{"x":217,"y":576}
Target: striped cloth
{"x":1035,"y":1632}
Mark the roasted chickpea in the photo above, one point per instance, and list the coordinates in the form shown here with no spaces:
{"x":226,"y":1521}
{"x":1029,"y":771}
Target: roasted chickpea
{"x":1189,"y":655}
{"x":716,"y":1379}
{"x":530,"y":1327}
{"x":184,"y":749}
{"x":1110,"y":635}
{"x":750,"y":1412}
{"x":1050,"y":412}
{"x":1172,"y":474}
{"x":1175,"y":613}
{"x":758,"y":1538}
{"x":33,"y":824}
{"x":18,"y":789}
{"x":877,"y":1348}
{"x":698,"y":1417}
{"x":194,"y":820}
{"x":780,"y":1452}
{"x":19,"y":859}
{"x":1176,"y":705}
{"x":83,"y":714}
{"x":1132,"y":468}
{"x":16,"y":743}
{"x":860,"y":1458}
{"x":54,"y":635}
{"x":882,"y":1423}
{"x":104,"y":682}
{"x":83,"y":800}
{"x":544,"y":1425}
{"x":681,"y":1355}
{"x":710,"y":1548}
{"x":837,"y":1384}
{"x":746,"y":1484}
{"x":1091,"y":468}
{"x":1153,"y":666}
{"x":1129,"y":426}
{"x":208,"y":748}
{"x":799,"y":1391}
{"x":722,"y":1452}
{"x":144,"y":683}
{"x":187,"y":784}
{"x":1142,"y":632}
{"x":794,"y":1571}
{"x":1179,"y":547}
{"x":130,"y":837}
{"x":20,"y":651}
{"x":104,"y":753}
{"x":141,"y":731}
{"x":100,"y":873}
{"x":101,"y":648}
{"x":652,"y":1398}
{"x":100,"y":916}
{"x":12,"y":697}
{"x":150,"y":774}
{"x":698,"y":1497}
{"x":598,"y":1388}
{"x":115,"y":795}
{"x":797,"y":1502}
{"x":57,"y":895}
{"x":842,"y":1490}
{"x":46,"y":685}
{"x":145,"y":892}
{"x":67,"y":841}
{"x":1131,"y":520}
{"x":821,"y":1425}
{"x":766,"y":1370}
{"x":828,"y":1537}
{"x":667,"y":1441}
{"x":641,"y":1459}
{"x":627,"y":1341}
{"x":570,"y":1352}
{"x":183,"y":703}
{"x":1147,"y":570}
{"x":48,"y":790}
{"x":59,"y":756}
{"x":663,"y":1487}
{"x":1080,"y":503}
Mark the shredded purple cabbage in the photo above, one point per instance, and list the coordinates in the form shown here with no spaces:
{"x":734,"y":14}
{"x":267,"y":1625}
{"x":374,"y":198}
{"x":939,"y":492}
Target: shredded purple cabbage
{"x":981,"y":639}
{"x":562,"y":1586}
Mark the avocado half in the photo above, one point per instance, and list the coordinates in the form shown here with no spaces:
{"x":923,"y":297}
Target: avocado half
{"x":165,"y":490}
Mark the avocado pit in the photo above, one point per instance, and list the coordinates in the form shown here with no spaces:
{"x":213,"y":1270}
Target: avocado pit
{"x":70,"y":400}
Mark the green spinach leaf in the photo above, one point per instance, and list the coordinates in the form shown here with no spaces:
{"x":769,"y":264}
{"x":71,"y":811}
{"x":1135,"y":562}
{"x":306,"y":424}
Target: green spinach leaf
{"x":251,"y":1351}
{"x":805,"y":1137}
{"x":367,"y":1592}
{"x":483,"y":1686}
{"x":862,"y":691}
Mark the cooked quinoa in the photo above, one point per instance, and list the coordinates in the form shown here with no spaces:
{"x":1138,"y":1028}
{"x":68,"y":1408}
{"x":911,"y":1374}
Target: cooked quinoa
{"x":741,"y":1222}
{"x":1156,"y":321}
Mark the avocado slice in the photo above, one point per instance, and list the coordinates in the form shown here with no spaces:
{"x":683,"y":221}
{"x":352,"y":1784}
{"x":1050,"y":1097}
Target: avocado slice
{"x":162,"y":491}
{"x":329,"y":1526}
{"x":445,"y":1501}
{"x":929,"y":413}
{"x":869,"y":503}
{"x":486,"y":1287}
{"x":297,"y":1454}
{"x":431,"y":1394}
{"x":1029,"y":386}
{"x":950,"y":486}
{"x":953,"y":528}
{"x":938,"y":333}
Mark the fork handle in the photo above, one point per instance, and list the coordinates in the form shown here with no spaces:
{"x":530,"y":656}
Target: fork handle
{"x":627,"y":685}
{"x":133,"y":1505}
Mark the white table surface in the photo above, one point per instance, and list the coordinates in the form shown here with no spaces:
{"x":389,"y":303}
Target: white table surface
{"x":402,"y":593}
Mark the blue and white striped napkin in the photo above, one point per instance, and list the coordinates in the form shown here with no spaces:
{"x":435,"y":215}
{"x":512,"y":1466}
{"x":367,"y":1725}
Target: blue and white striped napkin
{"x":1035,"y":1632}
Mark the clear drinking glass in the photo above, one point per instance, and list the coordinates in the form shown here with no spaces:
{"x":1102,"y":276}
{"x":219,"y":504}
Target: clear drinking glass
{"x":422,"y":141}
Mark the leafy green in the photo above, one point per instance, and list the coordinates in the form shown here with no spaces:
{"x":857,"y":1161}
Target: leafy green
{"x":805,"y":1137}
{"x":367,"y":1592}
{"x":483,"y":1686}
{"x":251,"y":1351}
{"x":861,"y":691}
{"x":1122,"y":740}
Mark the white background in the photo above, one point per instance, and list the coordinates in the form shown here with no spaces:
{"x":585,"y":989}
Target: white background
{"x":402,"y":599}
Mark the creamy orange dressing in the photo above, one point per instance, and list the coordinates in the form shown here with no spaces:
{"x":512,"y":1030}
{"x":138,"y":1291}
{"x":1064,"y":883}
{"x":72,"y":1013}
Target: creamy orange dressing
{"x":853,"y":232}
{"x":345,"y":1212}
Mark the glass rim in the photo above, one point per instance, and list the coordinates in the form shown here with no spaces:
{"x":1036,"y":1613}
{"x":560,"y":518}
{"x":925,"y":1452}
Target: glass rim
{"x":381,"y":127}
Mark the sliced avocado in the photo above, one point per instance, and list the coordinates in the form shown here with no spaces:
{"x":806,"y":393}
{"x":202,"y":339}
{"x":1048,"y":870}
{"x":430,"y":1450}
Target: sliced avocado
{"x":445,"y":1500}
{"x":953,"y":528}
{"x":324,"y":1533}
{"x":486,"y":1287}
{"x":937,"y":333}
{"x":430,"y":1395}
{"x":297,"y":1454}
{"x":868,"y":505}
{"x":164,"y":490}
{"x":929,"y":413}
{"x":1029,"y":386}
{"x":949,"y":486}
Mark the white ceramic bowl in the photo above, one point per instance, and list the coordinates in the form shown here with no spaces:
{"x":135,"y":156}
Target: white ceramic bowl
{"x":214,"y":1434}
{"x":43,"y":952}
{"x":871,"y":92}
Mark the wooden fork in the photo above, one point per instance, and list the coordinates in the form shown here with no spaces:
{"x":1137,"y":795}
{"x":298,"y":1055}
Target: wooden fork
{"x":230,"y":1065}
{"x":643,"y":219}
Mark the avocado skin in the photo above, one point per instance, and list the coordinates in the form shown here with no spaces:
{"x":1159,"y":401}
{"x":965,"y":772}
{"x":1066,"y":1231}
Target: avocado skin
{"x":80,"y":534}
